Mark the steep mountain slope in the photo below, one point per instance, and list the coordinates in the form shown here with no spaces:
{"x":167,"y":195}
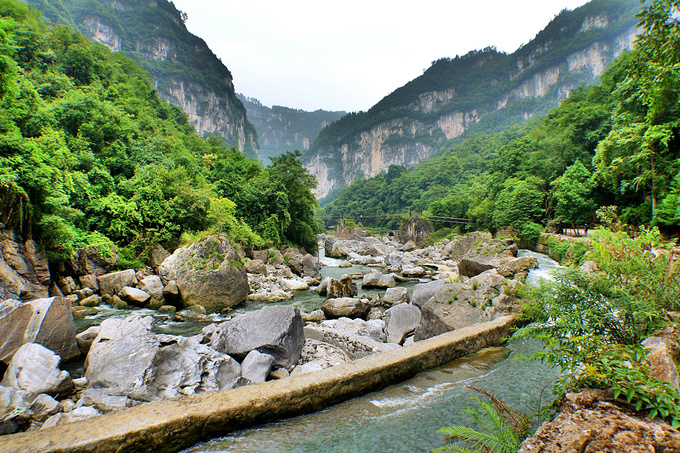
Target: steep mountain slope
{"x":185,"y":71}
{"x":282,"y":129}
{"x":484,"y":90}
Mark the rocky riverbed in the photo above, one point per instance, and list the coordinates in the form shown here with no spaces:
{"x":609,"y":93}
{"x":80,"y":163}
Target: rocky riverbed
{"x":128,"y":362}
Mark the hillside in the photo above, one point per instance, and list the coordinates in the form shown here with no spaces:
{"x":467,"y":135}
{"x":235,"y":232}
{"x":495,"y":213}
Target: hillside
{"x":482,"y":91}
{"x":282,"y":129}
{"x":185,"y":71}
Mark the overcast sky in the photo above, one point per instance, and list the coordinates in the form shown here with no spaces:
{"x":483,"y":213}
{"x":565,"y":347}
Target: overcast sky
{"x":349,"y":54}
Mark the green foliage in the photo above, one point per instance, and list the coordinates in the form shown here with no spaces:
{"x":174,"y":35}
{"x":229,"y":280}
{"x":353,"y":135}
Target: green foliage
{"x":592,"y":324}
{"x":503,"y":429}
{"x":529,"y":233}
{"x":572,"y":195}
{"x":90,"y":155}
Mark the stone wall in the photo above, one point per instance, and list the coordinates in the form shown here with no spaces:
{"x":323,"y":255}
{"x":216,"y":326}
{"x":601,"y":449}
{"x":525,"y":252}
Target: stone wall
{"x":173,"y":425}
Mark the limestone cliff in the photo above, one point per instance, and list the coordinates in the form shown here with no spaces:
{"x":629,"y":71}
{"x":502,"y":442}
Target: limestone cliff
{"x":185,"y":71}
{"x":282,"y":129}
{"x":483,"y":90}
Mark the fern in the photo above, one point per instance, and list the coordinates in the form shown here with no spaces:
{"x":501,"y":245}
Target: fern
{"x":502,"y":429}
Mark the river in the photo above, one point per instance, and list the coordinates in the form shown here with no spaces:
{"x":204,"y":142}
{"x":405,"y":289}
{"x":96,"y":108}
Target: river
{"x":405,"y":417}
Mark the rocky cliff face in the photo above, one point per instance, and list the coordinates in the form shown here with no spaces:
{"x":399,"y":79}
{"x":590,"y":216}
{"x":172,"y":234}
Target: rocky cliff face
{"x":404,"y":129}
{"x":184,"y":70}
{"x":282,"y":129}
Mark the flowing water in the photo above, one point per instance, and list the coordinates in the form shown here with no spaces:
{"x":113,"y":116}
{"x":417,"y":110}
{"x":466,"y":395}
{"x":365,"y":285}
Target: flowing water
{"x":405,"y":417}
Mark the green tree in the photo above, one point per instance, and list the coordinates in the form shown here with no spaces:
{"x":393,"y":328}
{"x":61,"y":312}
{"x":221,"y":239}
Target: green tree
{"x":520,"y":202}
{"x":572,"y":195}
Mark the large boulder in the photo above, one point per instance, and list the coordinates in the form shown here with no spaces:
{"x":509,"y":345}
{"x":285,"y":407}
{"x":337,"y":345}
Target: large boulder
{"x":134,"y":296}
{"x":310,"y":266}
{"x":35,"y":370}
{"x":453,"y":307}
{"x":460,"y":246}
{"x":157,"y":256}
{"x":509,"y":267}
{"x":590,"y":422}
{"x":112,"y":283}
{"x":378,"y":280}
{"x":122,"y":356}
{"x":130,"y":364}
{"x":400,"y":321}
{"x":274,"y":330}
{"x":208,"y":273}
{"x":256,"y":366}
{"x":343,"y":288}
{"x":294,"y":259}
{"x":24,"y":273}
{"x":48,"y":322}
{"x":346,"y":307}
{"x":152,"y":285}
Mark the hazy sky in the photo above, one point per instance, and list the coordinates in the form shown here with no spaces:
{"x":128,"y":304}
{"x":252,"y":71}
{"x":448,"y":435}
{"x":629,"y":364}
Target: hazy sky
{"x":349,"y":54}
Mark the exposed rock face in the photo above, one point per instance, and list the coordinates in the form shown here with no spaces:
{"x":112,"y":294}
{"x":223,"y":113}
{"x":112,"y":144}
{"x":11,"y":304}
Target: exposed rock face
{"x":281,"y":129}
{"x":417,"y":125}
{"x":210,"y":102}
{"x":415,"y":230}
{"x":587,"y":422}
{"x":48,"y":322}
{"x":207,"y":273}
{"x":112,"y":283}
{"x":274,"y":330}
{"x":395,"y":296}
{"x":24,"y":272}
{"x":93,"y":261}
{"x":491,"y":254}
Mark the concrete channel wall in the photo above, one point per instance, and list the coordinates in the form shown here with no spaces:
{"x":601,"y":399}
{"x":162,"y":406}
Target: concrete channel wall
{"x":169,"y":426}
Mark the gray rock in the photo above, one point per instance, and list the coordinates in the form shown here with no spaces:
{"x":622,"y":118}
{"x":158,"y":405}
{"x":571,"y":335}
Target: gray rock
{"x":112,"y":283}
{"x":346,"y":307}
{"x":510,"y":267}
{"x":35,"y":370}
{"x":86,"y":337}
{"x":89,"y":281}
{"x":378,"y":280}
{"x":24,"y":273}
{"x":411,"y":271}
{"x":91,"y":301}
{"x":376,"y":313}
{"x":256,"y":366}
{"x":157,"y":256}
{"x":67,"y":285}
{"x":43,"y":407}
{"x":208,"y":273}
{"x":152,"y":285}
{"x":315,"y":316}
{"x":171,"y":292}
{"x":470,"y":267}
{"x":122,"y":356}
{"x":453,"y":307}
{"x":134,"y":296}
{"x":660,"y":359}
{"x":460,"y":246}
{"x":308,"y":367}
{"x":310,"y":266}
{"x":103,"y":401}
{"x":423,"y":292}
{"x":294,"y":259}
{"x":400,"y":321}
{"x":274,"y":330}
{"x":396,"y":295}
{"x":185,"y":367}
{"x":94,"y":260}
{"x":374,"y":329}
{"x":256,"y":267}
{"x":80,"y":413}
{"x":48,"y":322}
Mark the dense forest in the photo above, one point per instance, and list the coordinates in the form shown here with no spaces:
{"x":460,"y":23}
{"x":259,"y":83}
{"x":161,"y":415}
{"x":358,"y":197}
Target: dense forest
{"x":611,"y":149}
{"x":90,"y":156}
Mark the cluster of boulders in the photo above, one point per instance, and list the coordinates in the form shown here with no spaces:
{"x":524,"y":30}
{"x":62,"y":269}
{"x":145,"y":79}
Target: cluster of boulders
{"x":475,"y":278}
{"x":127,"y":364}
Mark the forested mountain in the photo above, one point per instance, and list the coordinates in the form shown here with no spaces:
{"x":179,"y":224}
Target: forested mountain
{"x":608,"y":153}
{"x":184,"y":70}
{"x":90,"y":157}
{"x":282,"y":129}
{"x":482,"y":91}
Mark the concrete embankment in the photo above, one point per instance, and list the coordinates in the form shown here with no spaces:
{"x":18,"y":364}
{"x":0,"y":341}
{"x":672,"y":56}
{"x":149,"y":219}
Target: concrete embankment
{"x":167,"y":426}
